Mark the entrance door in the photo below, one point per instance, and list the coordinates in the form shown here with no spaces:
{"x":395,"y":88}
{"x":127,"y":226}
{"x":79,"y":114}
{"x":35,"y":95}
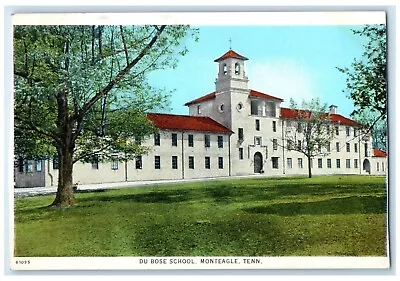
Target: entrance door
{"x":367,"y":166}
{"x":258,"y":162}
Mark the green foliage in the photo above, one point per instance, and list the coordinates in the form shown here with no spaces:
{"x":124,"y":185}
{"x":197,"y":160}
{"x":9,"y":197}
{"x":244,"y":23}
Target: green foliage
{"x":322,"y":216}
{"x":367,"y":76}
{"x":100,"y":72}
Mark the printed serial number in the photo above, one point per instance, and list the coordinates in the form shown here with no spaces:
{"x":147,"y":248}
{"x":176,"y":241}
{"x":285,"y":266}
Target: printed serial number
{"x":23,"y":262}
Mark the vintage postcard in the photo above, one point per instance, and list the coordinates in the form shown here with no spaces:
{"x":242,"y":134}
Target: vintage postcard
{"x":236,"y":140}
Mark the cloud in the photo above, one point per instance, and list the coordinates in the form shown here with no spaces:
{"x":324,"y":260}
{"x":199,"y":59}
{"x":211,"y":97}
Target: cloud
{"x":282,"y":78}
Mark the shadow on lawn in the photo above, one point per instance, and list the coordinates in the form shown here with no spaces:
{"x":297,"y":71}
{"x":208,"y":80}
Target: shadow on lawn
{"x":166,"y":196}
{"x":347,"y":205}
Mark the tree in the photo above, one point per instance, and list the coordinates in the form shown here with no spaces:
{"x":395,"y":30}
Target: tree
{"x":366,"y":81}
{"x":81,"y":91}
{"x":378,"y":131}
{"x":309,"y":131}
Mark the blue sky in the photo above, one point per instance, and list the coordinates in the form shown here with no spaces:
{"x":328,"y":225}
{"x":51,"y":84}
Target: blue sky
{"x":285,"y":61}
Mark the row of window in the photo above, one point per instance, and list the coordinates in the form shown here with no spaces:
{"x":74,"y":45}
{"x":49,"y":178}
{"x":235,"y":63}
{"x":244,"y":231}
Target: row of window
{"x":225,"y":69}
{"x":258,"y":126}
{"x":29,"y":166}
{"x":207,"y":140}
{"x":337,"y":130}
{"x":383,"y":166}
{"x":157,"y":163}
{"x":320,"y":163}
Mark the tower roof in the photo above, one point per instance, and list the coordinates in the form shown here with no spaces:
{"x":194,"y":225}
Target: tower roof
{"x":231,"y":54}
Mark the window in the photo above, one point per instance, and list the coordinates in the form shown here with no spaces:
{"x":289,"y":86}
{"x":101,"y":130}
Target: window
{"x":20,"y":164}
{"x":138,"y":162}
{"x":328,"y":147}
{"x":377,"y":166}
{"x":338,"y":163}
{"x":138,"y":140}
{"x":366,"y":149}
{"x":348,"y":163}
{"x":337,"y":130}
{"x":241,"y":134}
{"x":157,"y":162}
{"x":237,"y":68}
{"x":207,"y":163}
{"x":299,"y":144}
{"x":355,"y":132}
{"x":300,"y":162}
{"x":356,"y":163}
{"x":157,"y":139}
{"x":257,"y":140}
{"x":190,"y":141}
{"x":328,"y":129}
{"x":275,"y":144}
{"x":241,"y":153}
{"x":355,"y":148}
{"x":191,"y":162}
{"x":29,"y":166}
{"x":257,"y":125}
{"x":299,"y":128}
{"x":220,"y":162}
{"x":206,"y":140}
{"x":347,"y":147}
{"x":220,"y":141}
{"x":289,"y":163}
{"x":274,"y":126}
{"x":347,"y":131}
{"x":95,"y":163}
{"x":320,"y":163}
{"x":174,"y":139}
{"x":274,"y":162}
{"x":329,"y":163}
{"x":174,"y":162}
{"x":198,"y":109}
{"x":383,"y":166}
{"x":114,"y":164}
{"x":337,"y":146}
{"x":225,"y":69}
{"x":38,"y":165}
{"x":289,"y":144}
{"x":56,"y":162}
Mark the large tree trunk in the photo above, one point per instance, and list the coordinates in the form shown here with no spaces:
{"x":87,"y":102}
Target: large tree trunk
{"x":65,"y":196}
{"x":309,"y":167}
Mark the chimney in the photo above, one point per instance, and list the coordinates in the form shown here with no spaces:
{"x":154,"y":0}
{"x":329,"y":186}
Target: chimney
{"x":332,"y":109}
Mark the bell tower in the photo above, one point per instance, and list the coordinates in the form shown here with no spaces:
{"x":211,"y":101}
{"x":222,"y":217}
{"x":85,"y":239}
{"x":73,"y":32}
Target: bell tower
{"x":231,"y":73}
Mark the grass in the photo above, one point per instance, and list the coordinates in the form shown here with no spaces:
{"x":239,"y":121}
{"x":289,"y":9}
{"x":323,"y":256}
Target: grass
{"x":322,"y":216}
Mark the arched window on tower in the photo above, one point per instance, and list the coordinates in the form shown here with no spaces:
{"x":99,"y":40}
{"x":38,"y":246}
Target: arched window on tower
{"x":225,"y":69}
{"x":237,"y":68}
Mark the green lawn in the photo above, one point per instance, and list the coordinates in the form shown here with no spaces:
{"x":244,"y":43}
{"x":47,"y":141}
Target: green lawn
{"x":332,"y":215}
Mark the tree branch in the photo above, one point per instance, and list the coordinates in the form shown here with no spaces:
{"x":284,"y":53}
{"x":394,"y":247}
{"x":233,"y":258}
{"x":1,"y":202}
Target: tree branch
{"x":119,"y":76}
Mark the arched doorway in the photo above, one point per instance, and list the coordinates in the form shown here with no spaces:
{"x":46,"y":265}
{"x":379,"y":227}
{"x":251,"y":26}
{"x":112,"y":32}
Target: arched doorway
{"x":258,"y":162}
{"x":367,"y":166}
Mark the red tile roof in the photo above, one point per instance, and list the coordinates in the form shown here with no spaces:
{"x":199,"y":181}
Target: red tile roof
{"x":379,"y":153}
{"x":201,"y":99}
{"x":334,"y":118}
{"x":252,"y":93}
{"x":186,"y":123}
{"x":337,"y":118}
{"x":290,"y":113}
{"x":257,"y":94}
{"x":231,"y":54}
